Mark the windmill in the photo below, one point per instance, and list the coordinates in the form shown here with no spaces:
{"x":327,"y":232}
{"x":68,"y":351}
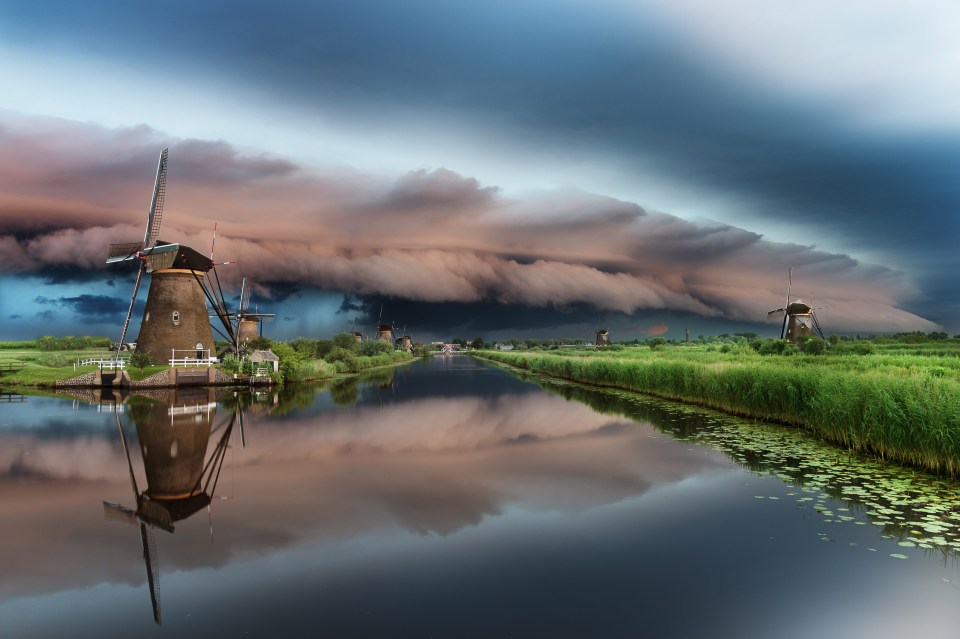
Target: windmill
{"x":405,"y":342}
{"x":175,"y":317}
{"x":384,"y":331}
{"x":173,"y":444}
{"x":602,"y":336}
{"x":799,"y":318}
{"x":249,"y":325}
{"x":357,"y":335}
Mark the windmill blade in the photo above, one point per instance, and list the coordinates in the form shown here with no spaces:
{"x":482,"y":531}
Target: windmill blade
{"x":156,"y":203}
{"x":123,"y":252}
{"x":153,"y":569}
{"x":243,"y":436}
{"x":816,"y":324}
{"x":133,"y":299}
{"x":244,"y":295}
{"x":776,"y":313}
{"x":789,"y":286}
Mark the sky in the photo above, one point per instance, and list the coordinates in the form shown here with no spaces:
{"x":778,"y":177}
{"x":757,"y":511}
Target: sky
{"x":502,"y":169}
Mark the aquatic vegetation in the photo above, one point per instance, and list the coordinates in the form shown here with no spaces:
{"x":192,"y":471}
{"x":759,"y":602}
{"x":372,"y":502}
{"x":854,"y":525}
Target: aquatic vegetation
{"x":920,"y":510}
{"x":890,"y":406}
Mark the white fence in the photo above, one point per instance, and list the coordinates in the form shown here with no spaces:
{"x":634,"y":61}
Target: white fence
{"x":192,"y":357}
{"x":104,"y":364}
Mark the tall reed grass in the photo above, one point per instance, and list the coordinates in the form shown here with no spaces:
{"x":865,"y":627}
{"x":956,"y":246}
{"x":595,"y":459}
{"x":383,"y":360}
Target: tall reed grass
{"x":909,"y":416}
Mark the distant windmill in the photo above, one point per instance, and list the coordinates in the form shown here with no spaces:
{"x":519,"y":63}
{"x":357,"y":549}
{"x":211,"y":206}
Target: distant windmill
{"x":249,"y":325}
{"x":405,"y":342}
{"x":602,"y":336}
{"x":384,"y":331}
{"x":799,"y":318}
{"x":357,"y":335}
{"x":176,"y":316}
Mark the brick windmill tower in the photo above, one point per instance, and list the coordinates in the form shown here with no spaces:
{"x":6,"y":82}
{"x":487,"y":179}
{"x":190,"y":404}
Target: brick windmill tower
{"x":176,"y":319}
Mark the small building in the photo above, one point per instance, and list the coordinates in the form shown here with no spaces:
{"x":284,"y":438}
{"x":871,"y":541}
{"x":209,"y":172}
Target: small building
{"x":357,"y":335}
{"x":405,"y":343}
{"x":266,"y":357}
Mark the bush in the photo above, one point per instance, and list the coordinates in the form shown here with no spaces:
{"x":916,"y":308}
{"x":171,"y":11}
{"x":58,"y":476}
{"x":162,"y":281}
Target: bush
{"x":54,"y":360}
{"x":771,"y":346}
{"x":656,"y":343}
{"x":346,"y":341}
{"x":141,"y":359}
{"x":814,"y":346}
{"x":374,"y":347}
{"x":345,"y":360}
{"x":862,"y":348}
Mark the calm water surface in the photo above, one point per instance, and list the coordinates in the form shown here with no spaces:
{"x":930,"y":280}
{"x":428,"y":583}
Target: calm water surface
{"x":452,"y":499}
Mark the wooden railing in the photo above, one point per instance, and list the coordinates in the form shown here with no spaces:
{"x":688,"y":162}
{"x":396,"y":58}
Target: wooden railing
{"x":11,"y":367}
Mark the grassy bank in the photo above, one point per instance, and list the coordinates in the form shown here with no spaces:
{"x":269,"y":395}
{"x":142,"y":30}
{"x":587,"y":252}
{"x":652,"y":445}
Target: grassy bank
{"x":901,"y":407}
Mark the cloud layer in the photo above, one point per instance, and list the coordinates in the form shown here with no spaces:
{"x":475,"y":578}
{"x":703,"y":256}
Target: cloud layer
{"x":429,"y":235}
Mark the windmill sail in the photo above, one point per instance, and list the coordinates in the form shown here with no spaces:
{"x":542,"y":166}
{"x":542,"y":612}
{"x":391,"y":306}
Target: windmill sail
{"x":156,"y":203}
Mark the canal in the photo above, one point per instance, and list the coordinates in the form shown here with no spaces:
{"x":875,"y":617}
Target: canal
{"x":450,"y":498}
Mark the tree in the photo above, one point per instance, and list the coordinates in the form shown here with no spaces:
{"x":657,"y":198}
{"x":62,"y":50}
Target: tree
{"x":478,"y":342}
{"x":346,"y":341}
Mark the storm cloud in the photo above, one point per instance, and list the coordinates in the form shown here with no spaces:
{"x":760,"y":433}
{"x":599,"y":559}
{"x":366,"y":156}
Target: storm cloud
{"x":430,"y":235}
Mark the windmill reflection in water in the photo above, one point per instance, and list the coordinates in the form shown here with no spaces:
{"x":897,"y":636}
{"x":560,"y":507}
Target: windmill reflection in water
{"x":181,"y":478}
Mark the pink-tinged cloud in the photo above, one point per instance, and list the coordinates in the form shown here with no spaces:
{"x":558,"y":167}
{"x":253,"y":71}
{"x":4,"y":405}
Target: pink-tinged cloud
{"x":657,"y":329}
{"x":67,"y":190}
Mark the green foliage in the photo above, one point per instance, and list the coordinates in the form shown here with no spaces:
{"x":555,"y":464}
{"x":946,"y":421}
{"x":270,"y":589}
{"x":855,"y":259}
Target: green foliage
{"x":425,"y":350}
{"x":259,"y":344}
{"x":345,"y":341}
{"x":478,"y":343}
{"x":54,"y":360}
{"x":374,"y":347}
{"x":17,"y":345}
{"x":863,"y":348}
{"x":70,"y":343}
{"x":656,"y":342}
{"x":345,"y":360}
{"x":140,"y":359}
{"x":291,"y":361}
{"x":233,"y":366}
{"x":770,"y":346}
{"x":814,"y":346}
{"x":312,"y":348}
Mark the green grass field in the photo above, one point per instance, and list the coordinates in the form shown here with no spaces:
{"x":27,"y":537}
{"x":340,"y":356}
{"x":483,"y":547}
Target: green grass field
{"x":896,"y":402}
{"x":45,"y":368}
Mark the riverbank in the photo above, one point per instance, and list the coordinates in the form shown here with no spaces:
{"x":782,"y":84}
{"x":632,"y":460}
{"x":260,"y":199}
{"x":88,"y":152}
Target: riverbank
{"x":901,"y":409}
{"x":52,"y":370}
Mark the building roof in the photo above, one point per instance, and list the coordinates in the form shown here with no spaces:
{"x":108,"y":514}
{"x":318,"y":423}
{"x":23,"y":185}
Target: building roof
{"x":264,"y":356}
